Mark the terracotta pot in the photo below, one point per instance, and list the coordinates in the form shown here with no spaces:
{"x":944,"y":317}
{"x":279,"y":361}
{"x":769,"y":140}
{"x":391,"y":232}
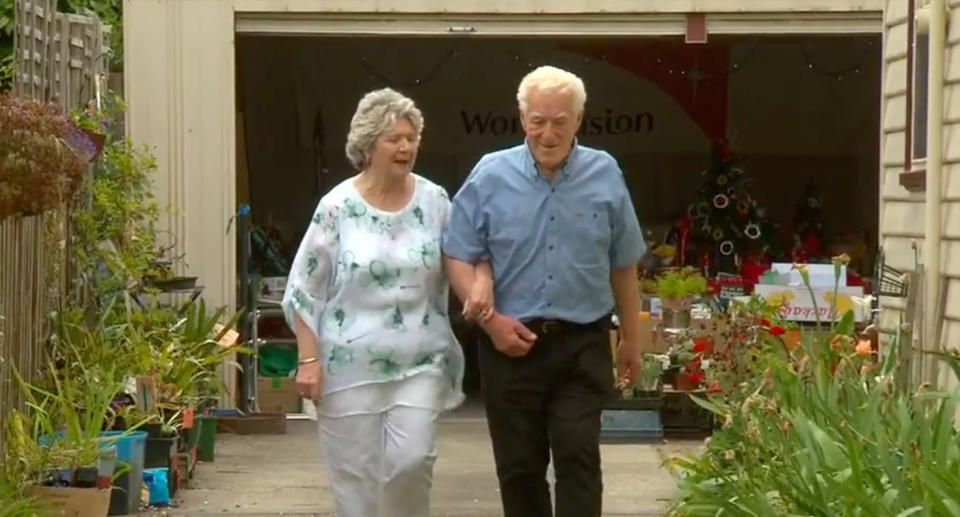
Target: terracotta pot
{"x":684,"y":381}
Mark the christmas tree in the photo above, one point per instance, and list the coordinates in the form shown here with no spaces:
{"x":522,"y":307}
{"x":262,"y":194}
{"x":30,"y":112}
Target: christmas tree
{"x":808,"y":229}
{"x":726,"y":223}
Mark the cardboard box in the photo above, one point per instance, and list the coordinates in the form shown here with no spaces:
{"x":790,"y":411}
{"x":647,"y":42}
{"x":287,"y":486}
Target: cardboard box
{"x":278,"y":395}
{"x":798,"y":304}
{"x":821,"y":275}
{"x":72,"y":502}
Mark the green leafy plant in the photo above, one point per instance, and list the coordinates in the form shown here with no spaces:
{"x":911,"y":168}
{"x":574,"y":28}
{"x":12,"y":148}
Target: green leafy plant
{"x":13,"y":503}
{"x":681,"y":284}
{"x":115,"y":224}
{"x":824,"y":430}
{"x":62,"y":431}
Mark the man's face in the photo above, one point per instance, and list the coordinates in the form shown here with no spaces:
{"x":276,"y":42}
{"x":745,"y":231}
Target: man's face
{"x":551,"y":122}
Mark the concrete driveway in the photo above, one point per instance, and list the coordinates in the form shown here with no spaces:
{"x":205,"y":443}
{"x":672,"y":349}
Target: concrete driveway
{"x":271,"y":475}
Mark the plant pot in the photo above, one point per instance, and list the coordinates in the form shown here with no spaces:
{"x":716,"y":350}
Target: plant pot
{"x":160,"y":451}
{"x":670,"y":376}
{"x":208,"y":437}
{"x":72,"y":502}
{"x":675,"y":318}
{"x":85,"y":477}
{"x":130,"y":447}
{"x":178,"y":283}
{"x":189,"y":438}
{"x":685,"y":382}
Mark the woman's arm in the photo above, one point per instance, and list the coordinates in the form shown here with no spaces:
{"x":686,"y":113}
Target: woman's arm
{"x":306,"y":296}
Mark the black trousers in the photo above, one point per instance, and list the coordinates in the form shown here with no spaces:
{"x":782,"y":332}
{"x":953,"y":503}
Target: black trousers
{"x":549,"y":401}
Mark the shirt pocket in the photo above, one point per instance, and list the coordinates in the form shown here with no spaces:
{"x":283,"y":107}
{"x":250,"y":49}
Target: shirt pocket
{"x":589,"y":237}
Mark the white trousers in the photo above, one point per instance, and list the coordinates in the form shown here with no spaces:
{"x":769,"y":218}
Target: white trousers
{"x":381,"y":465}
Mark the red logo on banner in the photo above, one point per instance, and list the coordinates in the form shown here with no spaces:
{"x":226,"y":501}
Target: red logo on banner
{"x":696,"y":76}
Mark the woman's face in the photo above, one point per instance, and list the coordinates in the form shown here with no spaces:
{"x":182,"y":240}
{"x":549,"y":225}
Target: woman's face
{"x":395,"y":151}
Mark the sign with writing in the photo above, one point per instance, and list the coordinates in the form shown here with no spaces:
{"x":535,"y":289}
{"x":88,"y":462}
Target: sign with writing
{"x":798,"y":305}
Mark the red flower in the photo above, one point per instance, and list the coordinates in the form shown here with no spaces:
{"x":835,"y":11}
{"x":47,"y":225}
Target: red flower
{"x":765,"y":323}
{"x":715,"y":387}
{"x":701,"y":344}
{"x":777,"y":330}
{"x":697,"y":377}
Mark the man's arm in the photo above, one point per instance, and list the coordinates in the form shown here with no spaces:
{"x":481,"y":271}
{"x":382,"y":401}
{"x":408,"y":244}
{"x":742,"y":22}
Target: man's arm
{"x":625,"y":252}
{"x":626,"y":294}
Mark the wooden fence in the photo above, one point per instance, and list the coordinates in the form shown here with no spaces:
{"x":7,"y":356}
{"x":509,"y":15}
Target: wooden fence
{"x":59,"y":58}
{"x":28,"y":288}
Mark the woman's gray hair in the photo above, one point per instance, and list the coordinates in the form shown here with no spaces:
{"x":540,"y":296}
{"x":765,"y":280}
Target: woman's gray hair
{"x":376,"y":114}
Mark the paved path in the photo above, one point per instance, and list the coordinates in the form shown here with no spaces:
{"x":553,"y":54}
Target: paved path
{"x":271,"y":475}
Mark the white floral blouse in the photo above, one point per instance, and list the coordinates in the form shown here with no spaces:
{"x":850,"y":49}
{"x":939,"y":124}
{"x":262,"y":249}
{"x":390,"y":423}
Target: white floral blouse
{"x":371,"y":287}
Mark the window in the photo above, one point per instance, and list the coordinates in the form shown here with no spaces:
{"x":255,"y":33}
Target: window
{"x":920,"y":79}
{"x":914,"y":176}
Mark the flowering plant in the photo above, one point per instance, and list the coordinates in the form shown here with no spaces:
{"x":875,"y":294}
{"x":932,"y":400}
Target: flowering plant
{"x":826,"y":429}
{"x":40,"y":163}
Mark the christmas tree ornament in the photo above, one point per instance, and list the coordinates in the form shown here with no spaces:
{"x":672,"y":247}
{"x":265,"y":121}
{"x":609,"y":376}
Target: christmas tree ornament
{"x":752,"y":231}
{"x":718,"y":234}
{"x":726,"y":248}
{"x":721,"y":201}
{"x":743,"y":207}
{"x":722,"y":180}
{"x":703,"y":210}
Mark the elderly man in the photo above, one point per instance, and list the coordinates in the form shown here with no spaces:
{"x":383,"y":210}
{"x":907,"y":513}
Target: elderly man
{"x":556,"y":220}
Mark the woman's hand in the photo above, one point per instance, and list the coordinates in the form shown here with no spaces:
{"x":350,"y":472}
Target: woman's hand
{"x":310,"y":380}
{"x":479,"y":304}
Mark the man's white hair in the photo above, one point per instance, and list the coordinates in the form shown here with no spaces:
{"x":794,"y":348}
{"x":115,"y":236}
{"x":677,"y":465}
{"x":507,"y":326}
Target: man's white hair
{"x":552,"y":79}
{"x":376,"y":114}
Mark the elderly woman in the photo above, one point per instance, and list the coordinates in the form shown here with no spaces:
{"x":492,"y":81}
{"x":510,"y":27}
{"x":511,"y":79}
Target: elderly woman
{"x":367,"y":299}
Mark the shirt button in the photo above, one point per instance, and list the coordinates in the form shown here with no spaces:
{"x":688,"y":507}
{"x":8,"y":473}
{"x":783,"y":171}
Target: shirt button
{"x":549,"y":304}
{"x":550,"y":248}
{"x":553,"y":190}
{"x":552,"y":218}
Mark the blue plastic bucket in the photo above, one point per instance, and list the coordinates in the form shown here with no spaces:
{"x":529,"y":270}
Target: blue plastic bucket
{"x":131,"y":447}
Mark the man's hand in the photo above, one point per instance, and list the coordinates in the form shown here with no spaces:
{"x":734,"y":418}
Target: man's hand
{"x":509,"y":336}
{"x":628,"y":363}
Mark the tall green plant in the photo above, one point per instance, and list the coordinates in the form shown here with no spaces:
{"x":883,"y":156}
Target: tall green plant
{"x":67,"y":415}
{"x":825,"y":431}
{"x":13,"y":503}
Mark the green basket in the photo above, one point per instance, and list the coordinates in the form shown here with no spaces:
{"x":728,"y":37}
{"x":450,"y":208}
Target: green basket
{"x":277,"y":361}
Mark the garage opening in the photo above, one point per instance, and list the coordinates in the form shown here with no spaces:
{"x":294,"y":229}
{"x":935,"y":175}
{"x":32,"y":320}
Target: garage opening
{"x":799,"y":113}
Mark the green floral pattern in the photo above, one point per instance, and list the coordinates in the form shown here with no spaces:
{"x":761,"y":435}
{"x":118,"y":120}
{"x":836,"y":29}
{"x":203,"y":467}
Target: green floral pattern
{"x":370,"y":284}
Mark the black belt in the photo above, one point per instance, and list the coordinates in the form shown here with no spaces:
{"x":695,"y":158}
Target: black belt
{"x":542,"y":326}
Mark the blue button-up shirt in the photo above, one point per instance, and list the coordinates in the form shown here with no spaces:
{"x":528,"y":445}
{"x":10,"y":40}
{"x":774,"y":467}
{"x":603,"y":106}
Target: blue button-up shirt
{"x":551,"y":244}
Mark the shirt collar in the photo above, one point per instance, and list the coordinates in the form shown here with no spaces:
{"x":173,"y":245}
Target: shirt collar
{"x":534,"y":168}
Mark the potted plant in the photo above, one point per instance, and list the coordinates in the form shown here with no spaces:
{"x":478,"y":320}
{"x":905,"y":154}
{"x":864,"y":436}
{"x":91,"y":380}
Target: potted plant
{"x":57,"y":452}
{"x":677,"y":290}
